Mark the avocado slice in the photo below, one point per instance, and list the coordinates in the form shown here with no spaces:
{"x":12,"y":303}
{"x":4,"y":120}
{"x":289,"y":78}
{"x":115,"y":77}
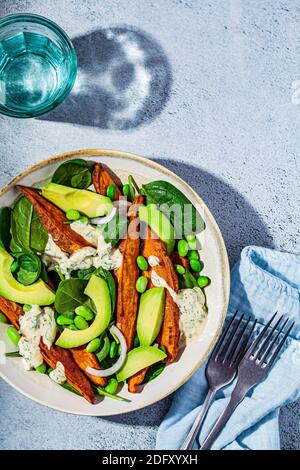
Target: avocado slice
{"x":139,"y":358}
{"x":35,"y":294}
{"x":150,"y":316}
{"x":86,"y":202}
{"x":160,"y":224}
{"x":98,"y":291}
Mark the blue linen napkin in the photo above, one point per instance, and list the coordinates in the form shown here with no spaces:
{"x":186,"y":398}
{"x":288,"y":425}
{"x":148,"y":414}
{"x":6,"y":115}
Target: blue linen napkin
{"x":262,"y":281}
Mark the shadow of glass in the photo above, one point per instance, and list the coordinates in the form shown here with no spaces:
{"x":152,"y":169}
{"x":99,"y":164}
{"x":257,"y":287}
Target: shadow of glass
{"x":239,"y":223}
{"x":124,"y":80}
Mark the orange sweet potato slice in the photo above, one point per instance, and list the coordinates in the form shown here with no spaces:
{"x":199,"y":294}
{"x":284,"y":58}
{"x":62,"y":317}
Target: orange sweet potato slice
{"x":128,"y":273}
{"x":83,"y":359}
{"x":170,"y":332}
{"x":74,"y":376}
{"x":136,"y":380}
{"x":53,"y":219}
{"x":177,"y":259}
{"x":102,"y":179}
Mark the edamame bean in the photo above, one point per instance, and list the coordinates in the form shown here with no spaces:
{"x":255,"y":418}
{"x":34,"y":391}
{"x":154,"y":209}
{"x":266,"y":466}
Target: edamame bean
{"x":41,"y":368}
{"x":84,"y":219}
{"x":13,"y":335}
{"x":111,"y":191}
{"x":81,"y":323}
{"x":142,"y":263}
{"x":3,"y":318}
{"x":14,"y":266}
{"x":85,"y":312}
{"x":93,"y":345}
{"x":72,"y":327}
{"x":72,"y":214}
{"x":193,"y":254}
{"x":26,"y":308}
{"x":183,"y":248}
{"x":62,"y":320}
{"x":111,"y":386}
{"x":126,"y":189}
{"x":69,"y":314}
{"x":141,"y":284}
{"x":203,"y":281}
{"x":196,"y":265}
{"x":179,"y":269}
{"x":192,"y":241}
{"x":113,"y":349}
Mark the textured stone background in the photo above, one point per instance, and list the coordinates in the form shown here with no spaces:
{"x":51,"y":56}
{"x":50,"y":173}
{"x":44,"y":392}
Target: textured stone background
{"x":207,"y":88}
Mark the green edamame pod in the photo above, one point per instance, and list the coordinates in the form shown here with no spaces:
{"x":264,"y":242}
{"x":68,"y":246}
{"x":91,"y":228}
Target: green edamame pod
{"x":111,"y":386}
{"x":93,"y":345}
{"x":113,"y":349}
{"x":85,"y":312}
{"x":13,"y":335}
{"x":81,"y":323}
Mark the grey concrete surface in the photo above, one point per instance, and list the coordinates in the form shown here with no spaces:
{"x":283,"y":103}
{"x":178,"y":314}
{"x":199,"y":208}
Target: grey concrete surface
{"x":208,"y":88}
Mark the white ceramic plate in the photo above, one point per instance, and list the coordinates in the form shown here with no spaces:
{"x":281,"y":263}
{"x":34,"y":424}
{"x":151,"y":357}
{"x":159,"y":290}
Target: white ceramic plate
{"x":37,"y":386}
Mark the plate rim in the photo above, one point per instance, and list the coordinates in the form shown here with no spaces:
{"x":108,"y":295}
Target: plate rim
{"x":224,"y":261}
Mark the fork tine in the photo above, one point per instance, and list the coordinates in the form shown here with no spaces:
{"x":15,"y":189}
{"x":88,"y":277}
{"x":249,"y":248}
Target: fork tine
{"x":279,"y":347}
{"x":237,"y":341}
{"x":272,"y":343}
{"x":223,"y":336}
{"x":245,"y":343}
{"x":260,"y":336}
{"x":267,"y":339}
{"x":227,"y":346}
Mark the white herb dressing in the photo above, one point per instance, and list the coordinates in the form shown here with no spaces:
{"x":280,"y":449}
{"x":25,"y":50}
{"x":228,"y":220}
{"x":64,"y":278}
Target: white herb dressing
{"x":190,"y":303}
{"x":102,"y":256}
{"x":35,"y":324}
{"x":153,"y":261}
{"x":58,"y":374}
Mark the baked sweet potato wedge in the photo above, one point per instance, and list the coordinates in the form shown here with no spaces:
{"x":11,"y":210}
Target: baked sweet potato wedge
{"x":74,"y":376}
{"x":170,"y":332}
{"x":102,"y":179}
{"x":128,"y":273}
{"x":84,"y":359}
{"x":53,"y":219}
{"x":73,"y":373}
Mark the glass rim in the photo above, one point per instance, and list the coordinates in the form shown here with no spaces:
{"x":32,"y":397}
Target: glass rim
{"x":39,"y":19}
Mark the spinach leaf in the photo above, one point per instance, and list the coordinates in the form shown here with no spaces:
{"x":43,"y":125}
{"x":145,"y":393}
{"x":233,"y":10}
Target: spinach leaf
{"x":20,"y":225}
{"x":38,"y":234}
{"x":74,"y":173}
{"x":114,"y":230}
{"x":175,"y":205}
{"x":86,"y":274}
{"x":5,"y":236}
{"x":70,"y":294}
{"x":29,"y":268}
{"x":154,"y":371}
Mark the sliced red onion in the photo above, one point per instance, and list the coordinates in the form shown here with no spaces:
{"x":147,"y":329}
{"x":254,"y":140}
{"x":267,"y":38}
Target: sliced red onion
{"x":104,"y":220}
{"x":117,"y":365}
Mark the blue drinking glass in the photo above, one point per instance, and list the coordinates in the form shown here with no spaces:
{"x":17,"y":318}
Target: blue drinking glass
{"x":38,"y":65}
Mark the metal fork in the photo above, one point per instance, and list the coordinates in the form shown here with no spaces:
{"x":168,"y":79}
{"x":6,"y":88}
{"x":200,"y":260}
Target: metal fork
{"x":221,"y":368}
{"x":253,"y":369}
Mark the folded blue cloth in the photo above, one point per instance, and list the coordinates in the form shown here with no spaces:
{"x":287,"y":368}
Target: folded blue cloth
{"x":262,"y":281}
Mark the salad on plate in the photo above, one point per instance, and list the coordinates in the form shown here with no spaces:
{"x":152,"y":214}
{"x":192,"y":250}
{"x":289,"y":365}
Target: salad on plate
{"x":101,"y":282}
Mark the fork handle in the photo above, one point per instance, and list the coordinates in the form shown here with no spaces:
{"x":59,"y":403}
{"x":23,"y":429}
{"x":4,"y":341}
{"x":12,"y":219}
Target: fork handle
{"x":190,"y":439}
{"x":237,"y":396}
